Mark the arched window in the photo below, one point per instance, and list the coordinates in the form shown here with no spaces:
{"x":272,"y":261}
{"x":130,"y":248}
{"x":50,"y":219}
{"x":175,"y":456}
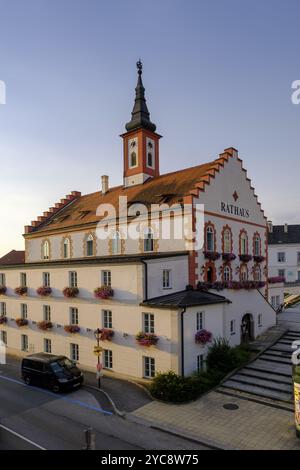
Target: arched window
{"x":243,"y":243}
{"x":210,"y":239}
{"x":46,"y":250}
{"x":227,"y":240}
{"x":244,"y":273}
{"x":116,"y":243}
{"x":256,"y":245}
{"x":148,"y":239}
{"x":257,"y":274}
{"x":133,"y":159}
{"x":66,"y":248}
{"x":150,"y":159}
{"x":90,"y":245}
{"x":227,"y":273}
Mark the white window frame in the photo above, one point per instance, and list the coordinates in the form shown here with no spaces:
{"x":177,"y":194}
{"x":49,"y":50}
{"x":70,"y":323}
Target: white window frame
{"x":167,"y":279}
{"x":227,"y":273}
{"x":4,"y":337}
{"x":24,"y":311}
{"x":232,"y":327}
{"x":107,"y":319}
{"x":148,"y":323}
{"x":281,"y":257}
{"x":260,"y":320}
{"x":200,"y":320}
{"x":46,"y":250}
{"x":23,"y":280}
{"x":47,"y":312}
{"x":46,"y":279}
{"x":227,"y":240}
{"x":66,"y":248}
{"x":73,"y":279}
{"x":149,"y":367}
{"x":47,"y":345}
{"x":135,"y":150}
{"x":210,"y":239}
{"x":3,"y":309}
{"x":106,"y":278}
{"x":201,"y":363}
{"x":2,"y":279}
{"x":74,"y":352}
{"x":24,"y":343}
{"x":148,"y":240}
{"x":107,"y":359}
{"x":116,"y":243}
{"x":89,"y":243}
{"x":74,"y":316}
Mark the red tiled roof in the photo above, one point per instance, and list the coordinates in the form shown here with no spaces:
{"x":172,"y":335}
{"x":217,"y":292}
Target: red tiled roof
{"x":13,"y":257}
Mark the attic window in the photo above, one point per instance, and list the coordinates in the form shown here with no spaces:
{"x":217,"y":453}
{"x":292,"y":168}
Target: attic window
{"x":83,"y":214}
{"x":59,"y":219}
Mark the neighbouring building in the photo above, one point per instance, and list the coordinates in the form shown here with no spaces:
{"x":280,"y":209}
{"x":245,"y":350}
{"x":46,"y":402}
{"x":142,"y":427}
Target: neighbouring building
{"x":158,"y":300}
{"x":284,"y":255}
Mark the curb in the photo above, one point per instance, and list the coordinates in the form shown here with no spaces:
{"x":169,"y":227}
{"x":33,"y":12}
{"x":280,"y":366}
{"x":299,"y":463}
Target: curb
{"x":119,"y":413}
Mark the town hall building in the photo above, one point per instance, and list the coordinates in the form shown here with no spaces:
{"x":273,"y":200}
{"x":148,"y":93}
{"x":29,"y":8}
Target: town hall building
{"x":159,"y":301}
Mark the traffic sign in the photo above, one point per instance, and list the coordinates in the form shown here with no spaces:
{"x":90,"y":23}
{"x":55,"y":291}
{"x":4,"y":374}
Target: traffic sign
{"x":97,"y":350}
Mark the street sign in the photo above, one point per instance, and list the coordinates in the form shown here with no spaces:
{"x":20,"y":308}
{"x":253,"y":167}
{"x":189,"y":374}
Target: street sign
{"x":97,"y":353}
{"x":97,"y":350}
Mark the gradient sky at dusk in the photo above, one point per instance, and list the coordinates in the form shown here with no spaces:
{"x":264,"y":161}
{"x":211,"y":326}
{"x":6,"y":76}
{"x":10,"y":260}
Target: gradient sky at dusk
{"x":217,"y":74}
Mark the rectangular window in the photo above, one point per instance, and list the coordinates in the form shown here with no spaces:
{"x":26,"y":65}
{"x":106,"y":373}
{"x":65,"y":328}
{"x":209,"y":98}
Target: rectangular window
{"x":107,"y":318}
{"x":73,"y":279}
{"x":259,"y":319}
{"x":108,"y":359}
{"x":2,"y":279}
{"x":46,"y":279}
{"x":74,"y":316}
{"x":200,"y":321}
{"x":90,"y":247}
{"x":47,"y":346}
{"x":232,"y":327}
{"x":200,"y":363}
{"x":2,"y":309}
{"x":24,"y":343}
{"x":24,"y":311}
{"x":47,"y":312}
{"x":3,"y":337}
{"x":74,"y":352}
{"x":149,"y":367}
{"x":298,"y":275}
{"x":167,"y":279}
{"x":23,"y":280}
{"x":277,"y":300}
{"x":273,"y":301}
{"x":148,"y":322}
{"x":106,"y":278}
{"x":298,"y":258}
{"x":281,"y":257}
{"x":281,"y":272}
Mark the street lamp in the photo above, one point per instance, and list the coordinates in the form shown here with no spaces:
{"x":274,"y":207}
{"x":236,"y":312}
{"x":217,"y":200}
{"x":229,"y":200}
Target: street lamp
{"x":97,"y":351}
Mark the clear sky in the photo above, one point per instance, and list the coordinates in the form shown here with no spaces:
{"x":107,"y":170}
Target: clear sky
{"x":217,"y":73}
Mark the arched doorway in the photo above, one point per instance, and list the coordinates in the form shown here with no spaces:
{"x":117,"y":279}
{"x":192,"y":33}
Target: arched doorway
{"x":210,"y":274}
{"x":247,"y":328}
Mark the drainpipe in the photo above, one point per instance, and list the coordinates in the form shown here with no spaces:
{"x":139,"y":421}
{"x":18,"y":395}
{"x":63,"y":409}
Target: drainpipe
{"x":182,"y":340}
{"x":146,"y":279}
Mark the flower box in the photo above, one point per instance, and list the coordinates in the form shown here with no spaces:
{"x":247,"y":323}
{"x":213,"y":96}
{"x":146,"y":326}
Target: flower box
{"x":72,"y":329}
{"x":21,"y":290}
{"x":236,"y":285}
{"x":106,"y":334}
{"x":70,"y":292}
{"x":276,"y":279}
{"x":44,"y":291}
{"x":146,"y":339}
{"x":103,"y":292}
{"x":3,"y":290}
{"x":203,"y":337}
{"x":212,"y":255}
{"x":259,"y":259}
{"x":245,"y":258}
{"x":3,"y":319}
{"x":22,"y":321}
{"x":45,"y":325}
{"x":228,"y":256}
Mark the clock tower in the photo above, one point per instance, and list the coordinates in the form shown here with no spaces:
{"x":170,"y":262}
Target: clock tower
{"x":141,"y":142}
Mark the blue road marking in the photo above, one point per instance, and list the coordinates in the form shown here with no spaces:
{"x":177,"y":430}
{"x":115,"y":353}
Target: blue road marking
{"x":61,"y":397}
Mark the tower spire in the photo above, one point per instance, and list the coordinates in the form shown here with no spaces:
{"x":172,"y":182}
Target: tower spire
{"x":140,"y":116}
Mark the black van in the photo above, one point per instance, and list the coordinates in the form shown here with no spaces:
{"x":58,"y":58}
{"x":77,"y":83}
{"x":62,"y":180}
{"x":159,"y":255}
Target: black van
{"x":55,"y":372}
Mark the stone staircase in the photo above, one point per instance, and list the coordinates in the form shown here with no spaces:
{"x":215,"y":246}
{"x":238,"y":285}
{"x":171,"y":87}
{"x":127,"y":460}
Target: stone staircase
{"x":270,"y":375}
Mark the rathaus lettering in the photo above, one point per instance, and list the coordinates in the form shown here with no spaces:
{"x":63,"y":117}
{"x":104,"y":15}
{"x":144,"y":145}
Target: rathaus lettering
{"x":234,"y":210}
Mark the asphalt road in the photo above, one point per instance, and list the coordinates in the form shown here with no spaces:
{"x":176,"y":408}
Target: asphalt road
{"x":34,"y":418}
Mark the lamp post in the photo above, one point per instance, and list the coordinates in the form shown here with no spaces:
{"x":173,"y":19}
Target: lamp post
{"x":97,"y":351}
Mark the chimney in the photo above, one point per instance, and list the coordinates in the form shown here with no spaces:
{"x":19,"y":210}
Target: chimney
{"x":104,"y":181}
{"x":270,"y":226}
{"x":285,"y":228}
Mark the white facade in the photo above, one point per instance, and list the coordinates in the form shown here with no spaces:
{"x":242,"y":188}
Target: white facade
{"x":284,"y":260}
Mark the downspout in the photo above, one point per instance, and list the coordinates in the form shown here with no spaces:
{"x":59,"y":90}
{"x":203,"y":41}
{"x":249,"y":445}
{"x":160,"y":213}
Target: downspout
{"x":182,"y":340}
{"x":146,"y":279}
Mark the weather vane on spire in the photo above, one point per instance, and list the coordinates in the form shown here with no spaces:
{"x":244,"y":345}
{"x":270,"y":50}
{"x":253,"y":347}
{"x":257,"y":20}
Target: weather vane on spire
{"x":139,"y":66}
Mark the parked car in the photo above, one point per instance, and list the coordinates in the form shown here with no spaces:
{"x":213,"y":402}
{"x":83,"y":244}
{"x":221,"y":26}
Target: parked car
{"x":58,"y":373}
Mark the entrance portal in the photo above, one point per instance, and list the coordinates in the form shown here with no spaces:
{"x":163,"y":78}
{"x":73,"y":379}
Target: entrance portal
{"x":247,"y":328}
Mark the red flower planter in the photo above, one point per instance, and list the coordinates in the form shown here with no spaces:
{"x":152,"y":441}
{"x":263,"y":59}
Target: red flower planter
{"x":21,"y":321}
{"x":228,"y":256}
{"x":275,"y":279}
{"x":72,"y":329}
{"x":146,"y":339}
{"x":3,"y":290}
{"x":258,"y":259}
{"x":45,"y":325}
{"x":106,"y":334}
{"x":103,"y":292}
{"x":21,"y":290}
{"x":212,"y":255}
{"x":203,"y":337}
{"x":70,"y":292}
{"x":245,"y":258}
{"x":44,"y":291}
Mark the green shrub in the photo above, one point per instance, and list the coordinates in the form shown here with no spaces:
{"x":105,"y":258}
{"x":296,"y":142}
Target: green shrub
{"x":223,"y":358}
{"x":169,"y":386}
